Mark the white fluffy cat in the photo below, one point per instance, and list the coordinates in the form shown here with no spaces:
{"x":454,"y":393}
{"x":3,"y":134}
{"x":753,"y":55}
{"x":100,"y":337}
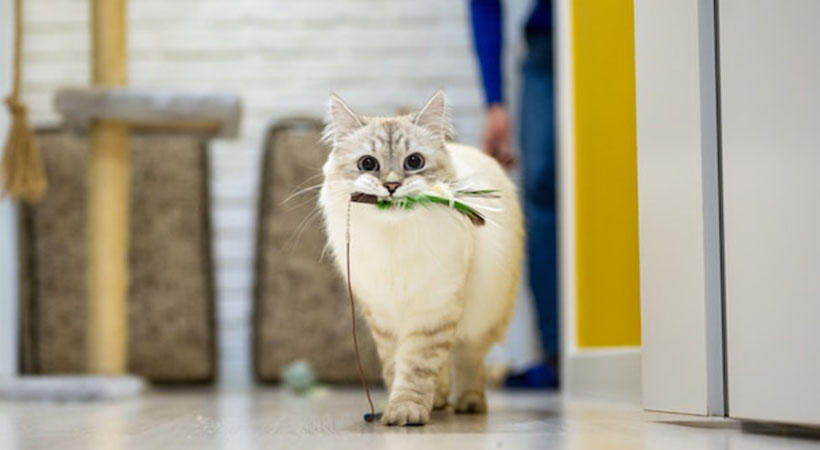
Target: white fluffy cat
{"x":437,"y":290}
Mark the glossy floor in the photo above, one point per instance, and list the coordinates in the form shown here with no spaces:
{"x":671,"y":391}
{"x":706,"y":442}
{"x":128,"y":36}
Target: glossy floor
{"x":269,"y":418}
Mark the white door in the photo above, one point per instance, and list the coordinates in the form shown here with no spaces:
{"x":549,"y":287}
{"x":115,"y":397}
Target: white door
{"x":770,"y":112}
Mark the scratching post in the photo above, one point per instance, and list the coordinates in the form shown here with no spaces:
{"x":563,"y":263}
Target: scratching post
{"x":108,"y":181}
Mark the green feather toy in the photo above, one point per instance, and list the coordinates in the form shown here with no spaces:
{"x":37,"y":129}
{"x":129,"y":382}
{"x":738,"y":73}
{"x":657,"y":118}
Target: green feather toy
{"x":411,"y":201}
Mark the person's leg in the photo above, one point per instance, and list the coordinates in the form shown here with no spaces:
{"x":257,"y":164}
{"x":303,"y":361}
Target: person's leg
{"x":537,"y":128}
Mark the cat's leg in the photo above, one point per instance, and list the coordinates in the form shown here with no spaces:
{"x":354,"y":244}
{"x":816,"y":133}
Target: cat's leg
{"x":388,"y":371}
{"x":468,"y":378}
{"x":420,"y":358}
{"x":442,"y":387}
{"x":386,"y":348}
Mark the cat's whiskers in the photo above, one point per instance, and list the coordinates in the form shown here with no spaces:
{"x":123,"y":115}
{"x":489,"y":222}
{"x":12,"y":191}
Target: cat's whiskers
{"x":324,"y":251}
{"x":312,"y":199}
{"x":334,"y":191}
{"x":308,"y":180}
{"x":308,"y":189}
{"x":292,"y":242}
{"x":369,"y":185}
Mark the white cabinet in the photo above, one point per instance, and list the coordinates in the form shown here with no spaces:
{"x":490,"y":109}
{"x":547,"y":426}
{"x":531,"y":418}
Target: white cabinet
{"x":770,"y":110}
{"x":728,"y":125}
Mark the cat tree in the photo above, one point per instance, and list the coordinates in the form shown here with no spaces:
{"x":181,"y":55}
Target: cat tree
{"x":109,"y":111}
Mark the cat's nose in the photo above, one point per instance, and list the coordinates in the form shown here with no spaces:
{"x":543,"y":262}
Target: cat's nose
{"x":392,"y":186}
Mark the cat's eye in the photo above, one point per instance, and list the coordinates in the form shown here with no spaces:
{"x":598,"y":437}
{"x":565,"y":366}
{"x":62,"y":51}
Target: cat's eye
{"x":368,"y":164}
{"x":414,"y":162}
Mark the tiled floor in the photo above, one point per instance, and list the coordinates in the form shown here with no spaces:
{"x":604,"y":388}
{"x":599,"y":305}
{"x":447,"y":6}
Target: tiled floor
{"x":270,"y":419}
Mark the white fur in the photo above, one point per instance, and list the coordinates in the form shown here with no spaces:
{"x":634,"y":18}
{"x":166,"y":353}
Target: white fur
{"x":407,"y":265}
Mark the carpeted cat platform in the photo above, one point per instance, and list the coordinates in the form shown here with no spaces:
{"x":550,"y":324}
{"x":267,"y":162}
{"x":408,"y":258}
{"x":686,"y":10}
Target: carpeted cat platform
{"x":171,"y":299}
{"x":301,"y":305}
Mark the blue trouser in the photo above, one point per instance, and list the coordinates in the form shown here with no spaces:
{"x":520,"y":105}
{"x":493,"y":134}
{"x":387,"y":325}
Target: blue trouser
{"x":538,"y":165}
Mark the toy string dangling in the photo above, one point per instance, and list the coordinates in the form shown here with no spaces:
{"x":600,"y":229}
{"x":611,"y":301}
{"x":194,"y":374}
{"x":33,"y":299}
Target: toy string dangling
{"x":372,"y":415}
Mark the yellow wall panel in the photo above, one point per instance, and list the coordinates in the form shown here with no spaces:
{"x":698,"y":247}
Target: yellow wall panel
{"x":608,"y":305}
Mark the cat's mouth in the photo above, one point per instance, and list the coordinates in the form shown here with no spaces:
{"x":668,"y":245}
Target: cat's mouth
{"x":361,"y":197}
{"x":409,"y":202}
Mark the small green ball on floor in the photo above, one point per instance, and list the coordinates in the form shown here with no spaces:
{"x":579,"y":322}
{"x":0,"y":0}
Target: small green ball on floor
{"x":299,"y":377}
{"x":369,"y":417}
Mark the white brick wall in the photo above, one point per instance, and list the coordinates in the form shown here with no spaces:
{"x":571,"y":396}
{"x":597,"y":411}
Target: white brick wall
{"x":283,"y":57}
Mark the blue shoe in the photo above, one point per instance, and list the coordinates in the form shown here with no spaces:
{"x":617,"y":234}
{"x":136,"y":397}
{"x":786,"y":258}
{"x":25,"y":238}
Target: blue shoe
{"x":541,"y":376}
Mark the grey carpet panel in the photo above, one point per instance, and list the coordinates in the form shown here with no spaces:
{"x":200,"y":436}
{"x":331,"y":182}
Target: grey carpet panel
{"x":301,"y":306}
{"x":171,"y":298}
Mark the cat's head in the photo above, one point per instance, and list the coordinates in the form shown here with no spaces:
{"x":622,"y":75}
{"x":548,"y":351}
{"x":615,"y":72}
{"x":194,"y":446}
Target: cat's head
{"x":388,"y":156}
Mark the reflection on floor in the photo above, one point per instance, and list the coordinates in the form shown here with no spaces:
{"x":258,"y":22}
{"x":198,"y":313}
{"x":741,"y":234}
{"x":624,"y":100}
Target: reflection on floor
{"x":267,"y":418}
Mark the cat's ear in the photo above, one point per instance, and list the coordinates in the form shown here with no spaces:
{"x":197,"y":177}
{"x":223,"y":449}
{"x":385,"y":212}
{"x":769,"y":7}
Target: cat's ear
{"x":435,"y":116}
{"x":341,"y":120}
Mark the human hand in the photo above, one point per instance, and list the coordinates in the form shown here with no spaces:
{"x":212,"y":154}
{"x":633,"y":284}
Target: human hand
{"x":496,"y":137}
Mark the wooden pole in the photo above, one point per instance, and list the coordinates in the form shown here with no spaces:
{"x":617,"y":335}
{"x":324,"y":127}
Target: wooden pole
{"x":108,"y":200}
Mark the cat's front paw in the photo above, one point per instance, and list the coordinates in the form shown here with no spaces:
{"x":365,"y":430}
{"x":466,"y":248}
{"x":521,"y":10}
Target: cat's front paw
{"x":405,"y":413}
{"x":471,"y":403}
